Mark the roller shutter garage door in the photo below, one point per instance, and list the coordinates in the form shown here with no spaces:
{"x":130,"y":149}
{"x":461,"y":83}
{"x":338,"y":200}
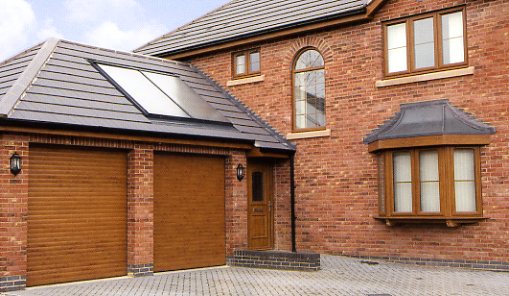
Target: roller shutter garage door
{"x":77,"y":212}
{"x":189,"y":227}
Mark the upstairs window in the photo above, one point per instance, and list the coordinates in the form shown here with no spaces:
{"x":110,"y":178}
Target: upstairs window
{"x":309,"y":91}
{"x":425,"y":43}
{"x":246,"y":63}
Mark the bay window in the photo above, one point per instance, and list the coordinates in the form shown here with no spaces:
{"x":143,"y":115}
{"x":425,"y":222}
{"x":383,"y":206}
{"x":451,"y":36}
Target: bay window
{"x":431,"y":182}
{"x":429,"y":167}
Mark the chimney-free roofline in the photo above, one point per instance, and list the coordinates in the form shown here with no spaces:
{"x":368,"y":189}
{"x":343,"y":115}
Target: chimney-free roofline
{"x":364,"y":14}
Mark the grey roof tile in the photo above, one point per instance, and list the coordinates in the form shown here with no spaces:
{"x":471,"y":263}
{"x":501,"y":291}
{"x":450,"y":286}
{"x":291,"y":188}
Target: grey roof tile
{"x":429,"y":118}
{"x":241,"y":18}
{"x":11,"y":69}
{"x":65,"y":89}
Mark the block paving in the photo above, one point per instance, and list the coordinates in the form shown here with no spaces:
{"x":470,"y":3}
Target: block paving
{"x":339,"y":276}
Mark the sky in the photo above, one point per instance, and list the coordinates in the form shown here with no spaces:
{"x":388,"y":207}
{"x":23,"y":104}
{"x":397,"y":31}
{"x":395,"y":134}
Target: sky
{"x":114,"y":24}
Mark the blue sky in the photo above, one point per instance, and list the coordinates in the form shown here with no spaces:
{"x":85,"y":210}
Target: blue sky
{"x":115,"y":24}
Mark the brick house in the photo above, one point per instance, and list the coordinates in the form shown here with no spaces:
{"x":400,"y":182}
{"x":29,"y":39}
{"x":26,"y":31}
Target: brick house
{"x":398,"y":109}
{"x":362,"y":128}
{"x":116,"y":163}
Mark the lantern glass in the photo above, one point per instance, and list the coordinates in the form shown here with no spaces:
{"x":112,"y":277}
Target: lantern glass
{"x":241,"y":172}
{"x":15,"y":164}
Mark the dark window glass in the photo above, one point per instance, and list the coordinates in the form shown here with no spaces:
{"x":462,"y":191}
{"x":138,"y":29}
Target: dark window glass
{"x":257,"y":186}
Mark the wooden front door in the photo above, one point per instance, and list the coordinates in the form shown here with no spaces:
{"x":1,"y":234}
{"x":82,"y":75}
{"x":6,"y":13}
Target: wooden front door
{"x":260,"y":217}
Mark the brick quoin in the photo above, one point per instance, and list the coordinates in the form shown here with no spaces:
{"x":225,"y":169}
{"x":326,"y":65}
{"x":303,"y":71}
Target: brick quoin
{"x":336,"y":177}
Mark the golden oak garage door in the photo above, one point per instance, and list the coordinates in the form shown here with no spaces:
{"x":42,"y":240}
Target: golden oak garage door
{"x":189,"y":228}
{"x":77,"y":210}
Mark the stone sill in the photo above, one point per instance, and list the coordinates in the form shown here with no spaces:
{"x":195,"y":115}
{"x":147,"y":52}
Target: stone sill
{"x":308,"y":135}
{"x":247,"y":80}
{"x":426,"y":77}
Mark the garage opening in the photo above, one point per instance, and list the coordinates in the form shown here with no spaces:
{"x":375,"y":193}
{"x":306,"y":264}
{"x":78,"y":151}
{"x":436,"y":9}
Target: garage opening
{"x":77,"y":215}
{"x":189,"y":226}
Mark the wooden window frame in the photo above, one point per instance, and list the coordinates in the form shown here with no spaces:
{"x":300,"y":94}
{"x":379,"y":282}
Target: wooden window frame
{"x":294,"y":72}
{"x":247,"y":54}
{"x":437,"y":26}
{"x":446,"y":185}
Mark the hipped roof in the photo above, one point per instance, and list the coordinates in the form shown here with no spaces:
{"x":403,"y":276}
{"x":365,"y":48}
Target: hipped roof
{"x":55,"y":83}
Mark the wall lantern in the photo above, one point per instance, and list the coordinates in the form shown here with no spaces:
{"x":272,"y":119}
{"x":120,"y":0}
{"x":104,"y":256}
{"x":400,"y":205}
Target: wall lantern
{"x":241,"y":172}
{"x":15,"y":164}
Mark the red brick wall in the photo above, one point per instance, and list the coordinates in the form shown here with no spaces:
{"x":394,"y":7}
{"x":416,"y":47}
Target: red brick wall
{"x":336,"y":176}
{"x":282,"y":210}
{"x":235,"y":205}
{"x":13,"y":213}
{"x":140,"y":207}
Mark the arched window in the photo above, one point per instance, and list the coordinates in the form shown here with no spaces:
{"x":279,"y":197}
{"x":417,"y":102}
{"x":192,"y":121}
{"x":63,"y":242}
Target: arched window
{"x":309,"y":91}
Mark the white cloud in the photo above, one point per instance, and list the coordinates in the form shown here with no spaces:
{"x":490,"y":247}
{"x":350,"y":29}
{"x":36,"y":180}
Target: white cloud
{"x":48,"y":30}
{"x":82,"y":11}
{"x":110,"y":35}
{"x":17,"y":19}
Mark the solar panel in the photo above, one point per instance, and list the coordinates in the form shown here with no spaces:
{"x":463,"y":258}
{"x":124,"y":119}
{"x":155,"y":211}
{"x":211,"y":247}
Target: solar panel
{"x":184,"y":96}
{"x":162,"y":94}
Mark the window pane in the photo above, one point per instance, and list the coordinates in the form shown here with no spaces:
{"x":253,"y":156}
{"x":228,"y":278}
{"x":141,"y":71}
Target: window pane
{"x":397,"y":48}
{"x":309,"y":59}
{"x":240,"y":64}
{"x":143,"y":91}
{"x":257,"y":186}
{"x":309,"y":95}
{"x":464,"y":180}
{"x":452,"y":38}
{"x":381,"y":183}
{"x":402,"y":182}
{"x":424,"y":43}
{"x":429,"y":179}
{"x":254,"y":62}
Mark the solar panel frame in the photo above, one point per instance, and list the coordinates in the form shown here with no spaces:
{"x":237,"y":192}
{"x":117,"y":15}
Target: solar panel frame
{"x":206,"y":113}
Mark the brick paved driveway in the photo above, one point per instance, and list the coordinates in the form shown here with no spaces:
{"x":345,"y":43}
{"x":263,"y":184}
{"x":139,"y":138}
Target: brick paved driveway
{"x":339,"y":276}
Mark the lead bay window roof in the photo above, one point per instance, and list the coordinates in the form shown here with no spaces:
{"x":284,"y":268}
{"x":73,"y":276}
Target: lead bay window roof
{"x":425,"y":119}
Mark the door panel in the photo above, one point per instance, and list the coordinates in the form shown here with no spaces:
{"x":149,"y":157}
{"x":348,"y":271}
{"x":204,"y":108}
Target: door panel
{"x":189,"y":227}
{"x":77,"y":215}
{"x":260,"y":214}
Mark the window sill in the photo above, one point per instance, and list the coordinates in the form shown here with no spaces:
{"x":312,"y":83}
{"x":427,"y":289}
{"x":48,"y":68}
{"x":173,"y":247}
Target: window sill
{"x":426,"y":77}
{"x":247,"y":80}
{"x":449,"y":221}
{"x":308,"y":135}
